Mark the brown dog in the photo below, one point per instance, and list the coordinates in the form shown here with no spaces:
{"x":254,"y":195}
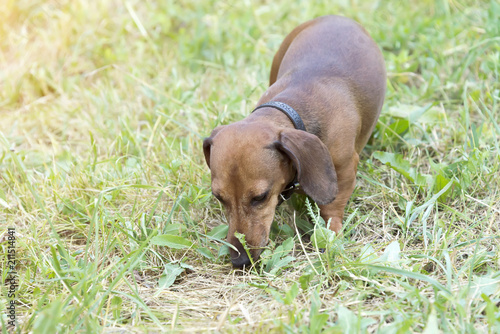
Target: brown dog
{"x":332,"y":74}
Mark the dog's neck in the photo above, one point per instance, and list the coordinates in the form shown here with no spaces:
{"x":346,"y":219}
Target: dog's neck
{"x":270,"y":115}
{"x":288,"y":111}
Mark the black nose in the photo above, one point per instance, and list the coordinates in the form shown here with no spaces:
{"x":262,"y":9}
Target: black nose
{"x":241,"y":260}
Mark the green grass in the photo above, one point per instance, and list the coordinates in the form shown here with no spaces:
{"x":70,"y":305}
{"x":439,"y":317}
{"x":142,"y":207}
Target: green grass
{"x":103,"y":107}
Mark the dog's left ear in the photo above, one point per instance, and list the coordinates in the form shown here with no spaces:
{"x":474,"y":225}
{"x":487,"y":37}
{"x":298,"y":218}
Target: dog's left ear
{"x":207,"y":144}
{"x":315,"y":171}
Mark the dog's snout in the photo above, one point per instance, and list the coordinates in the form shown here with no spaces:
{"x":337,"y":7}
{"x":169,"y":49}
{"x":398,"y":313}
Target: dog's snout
{"x":244,"y":256}
{"x":241,"y":260}
{"x":239,"y":256}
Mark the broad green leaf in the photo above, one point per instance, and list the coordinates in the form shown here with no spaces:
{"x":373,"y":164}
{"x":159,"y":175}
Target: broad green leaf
{"x":395,"y":161}
{"x":288,"y":245}
{"x":172,"y":241}
{"x":219,"y":232}
{"x":315,"y":303}
{"x":439,"y":183}
{"x":116,"y":305}
{"x":172,"y":271}
{"x":408,"y":274}
{"x":416,"y":114}
{"x":174,"y":229}
{"x":291,"y":294}
{"x":304,"y":225}
{"x":287,"y":230}
{"x":492,"y":313}
{"x":318,"y":321}
{"x":400,"y":126}
{"x":347,"y":320}
{"x":402,"y":166}
{"x":305,"y":279}
{"x":46,"y":320}
{"x":485,"y":285}
{"x":391,"y":253}
{"x":408,"y":112}
{"x":205,"y":252}
{"x":350,"y":322}
{"x":116,"y":301}
{"x":281,"y":263}
{"x":432,"y":323}
{"x":322,"y":237}
{"x":367,"y":254}
{"x":280,"y":252}
{"x":223,"y":251}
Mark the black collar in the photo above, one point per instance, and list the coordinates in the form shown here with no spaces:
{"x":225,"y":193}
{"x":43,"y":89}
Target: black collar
{"x":289,"y":190}
{"x":299,"y":125}
{"x":287,"y":110}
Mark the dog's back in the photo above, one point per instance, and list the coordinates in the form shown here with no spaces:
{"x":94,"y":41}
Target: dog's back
{"x":339,"y":51}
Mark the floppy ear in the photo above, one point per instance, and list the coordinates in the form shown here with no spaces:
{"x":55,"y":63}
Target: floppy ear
{"x":207,"y":144}
{"x":315,"y":171}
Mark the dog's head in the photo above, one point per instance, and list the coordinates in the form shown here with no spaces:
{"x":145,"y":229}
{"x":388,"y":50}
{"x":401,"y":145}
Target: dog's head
{"x":251,"y":163}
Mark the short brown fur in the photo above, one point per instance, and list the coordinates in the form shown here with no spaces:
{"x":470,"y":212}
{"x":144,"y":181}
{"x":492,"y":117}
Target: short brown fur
{"x":333,"y":74}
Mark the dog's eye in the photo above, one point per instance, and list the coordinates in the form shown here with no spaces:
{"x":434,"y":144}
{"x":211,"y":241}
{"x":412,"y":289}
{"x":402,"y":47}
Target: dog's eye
{"x":259,"y":199}
{"x":218,"y":197}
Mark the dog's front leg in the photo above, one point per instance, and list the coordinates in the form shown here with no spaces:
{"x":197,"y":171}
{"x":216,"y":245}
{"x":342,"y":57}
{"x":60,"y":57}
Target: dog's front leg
{"x":346,"y":181}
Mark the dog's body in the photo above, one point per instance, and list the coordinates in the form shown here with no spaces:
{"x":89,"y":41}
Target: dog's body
{"x":332,"y":73}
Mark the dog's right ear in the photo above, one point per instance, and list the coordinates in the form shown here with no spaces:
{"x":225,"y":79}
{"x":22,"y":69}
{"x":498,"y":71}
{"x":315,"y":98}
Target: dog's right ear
{"x":207,"y":144}
{"x":315,"y":170}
